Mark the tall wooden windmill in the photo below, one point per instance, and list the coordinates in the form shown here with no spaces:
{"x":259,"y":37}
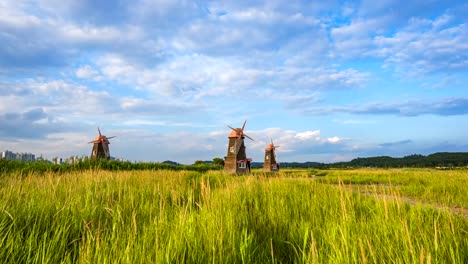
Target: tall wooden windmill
{"x":270,"y":164}
{"x":101,"y":146}
{"x":236,"y":160}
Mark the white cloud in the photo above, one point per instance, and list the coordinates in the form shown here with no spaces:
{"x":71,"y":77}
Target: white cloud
{"x":160,"y":63}
{"x":308,"y":135}
{"x":66,"y":100}
{"x":193,"y":146}
{"x":227,"y":39}
{"x":303,"y":145}
{"x":143,"y":122}
{"x":87,"y":72}
{"x":334,"y":139}
{"x":11,"y":18}
{"x":55,"y":145}
{"x":137,"y":106}
{"x":444,"y":107}
{"x":90,"y":34}
{"x":265,"y":16}
{"x":426,"y":50}
{"x":356,"y":29}
{"x":74,"y":99}
{"x":421,"y":46}
{"x":164,"y":10}
{"x":198,"y":76}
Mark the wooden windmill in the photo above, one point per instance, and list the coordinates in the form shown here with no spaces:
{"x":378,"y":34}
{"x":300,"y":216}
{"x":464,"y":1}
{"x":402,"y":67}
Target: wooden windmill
{"x":236,"y":160}
{"x":101,"y":146}
{"x":270,"y":164}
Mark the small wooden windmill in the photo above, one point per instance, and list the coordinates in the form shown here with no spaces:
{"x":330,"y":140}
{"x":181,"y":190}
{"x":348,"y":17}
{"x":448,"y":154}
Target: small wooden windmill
{"x":236,"y":160}
{"x":270,"y":164}
{"x":101,"y":146}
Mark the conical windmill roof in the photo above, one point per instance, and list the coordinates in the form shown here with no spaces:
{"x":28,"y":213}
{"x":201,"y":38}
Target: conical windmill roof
{"x":235,"y":133}
{"x":270,"y":147}
{"x":101,"y":138}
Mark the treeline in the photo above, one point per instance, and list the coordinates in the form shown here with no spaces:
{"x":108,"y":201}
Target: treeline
{"x":441,"y":159}
{"x":24,"y":168}
{"x":308,"y":164}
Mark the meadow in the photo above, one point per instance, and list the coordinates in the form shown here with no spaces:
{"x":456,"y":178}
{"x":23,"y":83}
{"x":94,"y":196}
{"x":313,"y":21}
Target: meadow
{"x":297,"y":216}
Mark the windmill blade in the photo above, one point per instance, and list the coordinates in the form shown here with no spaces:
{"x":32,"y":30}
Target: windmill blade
{"x":94,"y":141}
{"x":247,"y":137}
{"x":111,"y":137}
{"x":99,"y":131}
{"x":271,"y":140}
{"x":243,"y":126}
{"x":235,"y":129}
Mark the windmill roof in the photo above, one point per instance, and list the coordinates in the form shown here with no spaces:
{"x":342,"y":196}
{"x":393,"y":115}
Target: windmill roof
{"x":234,"y":133}
{"x":101,"y":138}
{"x":269,"y":147}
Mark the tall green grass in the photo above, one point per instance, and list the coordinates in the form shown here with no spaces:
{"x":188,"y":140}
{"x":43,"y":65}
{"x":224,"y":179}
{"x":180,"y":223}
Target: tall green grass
{"x":8,"y":167}
{"x":445,"y":187}
{"x":192,"y":217}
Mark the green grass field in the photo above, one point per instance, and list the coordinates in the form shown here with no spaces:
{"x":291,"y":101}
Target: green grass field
{"x":342,"y":216}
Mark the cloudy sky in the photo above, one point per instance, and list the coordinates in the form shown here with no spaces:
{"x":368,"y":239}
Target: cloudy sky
{"x":327,"y":80}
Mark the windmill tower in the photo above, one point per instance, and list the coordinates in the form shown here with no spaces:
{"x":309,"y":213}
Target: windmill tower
{"x":270,"y":164}
{"x":236,"y":160}
{"x":101,"y":146}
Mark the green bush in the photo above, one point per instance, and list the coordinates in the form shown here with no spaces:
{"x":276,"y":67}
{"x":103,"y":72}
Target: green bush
{"x":26,"y":168}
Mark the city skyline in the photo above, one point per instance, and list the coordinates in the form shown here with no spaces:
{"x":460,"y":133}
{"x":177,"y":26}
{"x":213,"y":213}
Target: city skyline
{"x":327,"y":81}
{"x":21,"y":156}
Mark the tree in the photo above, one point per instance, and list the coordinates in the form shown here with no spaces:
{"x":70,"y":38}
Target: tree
{"x":218,"y":161}
{"x":199,"y":162}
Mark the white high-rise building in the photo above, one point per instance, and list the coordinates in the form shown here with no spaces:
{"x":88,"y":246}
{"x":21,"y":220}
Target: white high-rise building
{"x":8,"y":155}
{"x":72,"y":160}
{"x":57,"y":161}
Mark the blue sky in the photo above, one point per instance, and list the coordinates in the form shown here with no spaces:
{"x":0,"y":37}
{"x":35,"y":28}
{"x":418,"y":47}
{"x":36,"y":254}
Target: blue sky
{"x":327,"y":80}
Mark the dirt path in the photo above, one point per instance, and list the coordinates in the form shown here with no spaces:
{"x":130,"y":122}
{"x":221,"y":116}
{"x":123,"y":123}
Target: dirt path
{"x":381,"y":191}
{"x":413,"y":201}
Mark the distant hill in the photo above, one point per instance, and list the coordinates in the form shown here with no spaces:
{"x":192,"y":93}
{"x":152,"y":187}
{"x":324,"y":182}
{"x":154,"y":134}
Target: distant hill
{"x":440,"y":159}
{"x":170,"y":162}
{"x":307,"y":164}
